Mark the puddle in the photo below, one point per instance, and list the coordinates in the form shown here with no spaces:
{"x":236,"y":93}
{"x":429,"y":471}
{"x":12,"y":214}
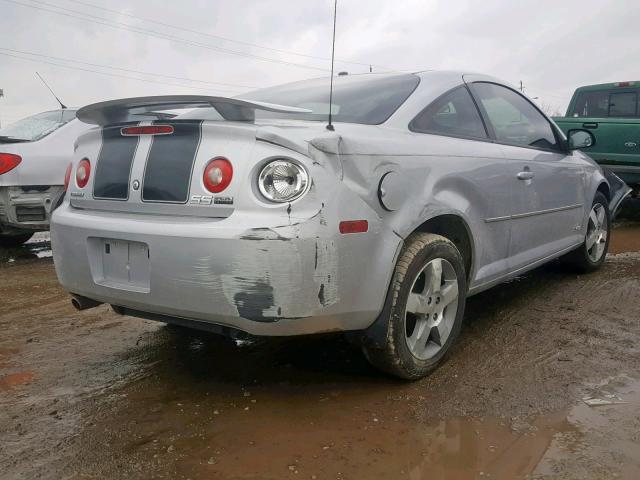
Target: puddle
{"x":200,"y":419}
{"x":348,"y":445}
{"x":625,"y":238}
{"x":39,"y":246}
{"x":16,"y":379}
{"x":261,"y":436}
{"x":606,"y":439}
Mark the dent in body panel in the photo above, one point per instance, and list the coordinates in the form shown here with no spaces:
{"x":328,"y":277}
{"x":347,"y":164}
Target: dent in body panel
{"x":276,"y":284}
{"x":276,"y":272}
{"x":437,"y":176}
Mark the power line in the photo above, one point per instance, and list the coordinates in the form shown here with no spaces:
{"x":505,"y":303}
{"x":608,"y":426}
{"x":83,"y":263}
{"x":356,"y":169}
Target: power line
{"x":218,"y":37}
{"x":125,"y":69}
{"x":110,"y":74}
{"x":152,"y":33}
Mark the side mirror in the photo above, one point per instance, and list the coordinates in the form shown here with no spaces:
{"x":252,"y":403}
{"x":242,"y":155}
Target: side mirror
{"x":579,"y":139}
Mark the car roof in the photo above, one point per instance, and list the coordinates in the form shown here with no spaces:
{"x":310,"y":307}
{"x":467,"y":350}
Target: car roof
{"x":606,"y":86}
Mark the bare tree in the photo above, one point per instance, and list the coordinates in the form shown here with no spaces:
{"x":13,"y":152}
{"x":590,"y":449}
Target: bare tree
{"x":550,"y":110}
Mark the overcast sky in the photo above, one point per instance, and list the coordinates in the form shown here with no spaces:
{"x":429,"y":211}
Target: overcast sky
{"x":552,"y":46}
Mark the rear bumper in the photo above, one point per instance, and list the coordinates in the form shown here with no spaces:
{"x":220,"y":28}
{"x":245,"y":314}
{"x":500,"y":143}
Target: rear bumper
{"x":243,"y":272}
{"x":28,"y":208}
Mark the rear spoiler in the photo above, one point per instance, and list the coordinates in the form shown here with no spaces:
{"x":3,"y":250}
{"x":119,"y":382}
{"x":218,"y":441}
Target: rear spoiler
{"x":146,"y":108}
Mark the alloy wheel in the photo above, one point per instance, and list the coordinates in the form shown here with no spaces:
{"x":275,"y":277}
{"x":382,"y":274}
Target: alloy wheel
{"x":597,"y":232}
{"x":431,"y":308}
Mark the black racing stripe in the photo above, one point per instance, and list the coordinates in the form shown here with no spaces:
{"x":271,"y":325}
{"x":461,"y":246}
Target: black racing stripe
{"x":167,"y":174}
{"x":113,"y":166}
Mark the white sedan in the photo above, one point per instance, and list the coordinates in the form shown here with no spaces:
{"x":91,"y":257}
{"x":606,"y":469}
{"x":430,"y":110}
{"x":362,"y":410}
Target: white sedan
{"x":34,"y":153}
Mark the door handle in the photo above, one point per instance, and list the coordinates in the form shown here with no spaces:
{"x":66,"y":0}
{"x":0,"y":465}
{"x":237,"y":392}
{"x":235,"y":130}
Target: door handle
{"x":526,"y":175}
{"x":590,"y":125}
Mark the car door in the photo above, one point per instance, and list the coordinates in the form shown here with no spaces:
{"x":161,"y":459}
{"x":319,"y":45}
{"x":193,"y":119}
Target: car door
{"x":548,"y":185}
{"x":451,"y":128}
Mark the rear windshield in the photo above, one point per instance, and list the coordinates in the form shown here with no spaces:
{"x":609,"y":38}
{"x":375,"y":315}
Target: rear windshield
{"x":365,"y":99}
{"x":607,"y":103}
{"x":37,"y":126}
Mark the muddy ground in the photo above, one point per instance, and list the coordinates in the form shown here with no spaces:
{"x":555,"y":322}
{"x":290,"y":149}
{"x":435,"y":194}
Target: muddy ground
{"x":91,"y":394}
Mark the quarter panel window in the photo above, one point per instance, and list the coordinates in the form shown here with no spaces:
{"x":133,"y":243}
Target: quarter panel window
{"x":514,"y":119}
{"x":454,"y":114}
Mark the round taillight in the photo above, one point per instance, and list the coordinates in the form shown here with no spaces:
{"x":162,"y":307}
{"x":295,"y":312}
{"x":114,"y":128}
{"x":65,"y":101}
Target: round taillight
{"x":217,"y":175}
{"x":67,"y":176}
{"x":283,"y":181}
{"x":83,"y":172}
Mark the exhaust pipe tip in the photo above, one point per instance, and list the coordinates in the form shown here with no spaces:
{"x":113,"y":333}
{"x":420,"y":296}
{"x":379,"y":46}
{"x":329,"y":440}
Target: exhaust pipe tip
{"x":83,"y":303}
{"x":76,"y":303}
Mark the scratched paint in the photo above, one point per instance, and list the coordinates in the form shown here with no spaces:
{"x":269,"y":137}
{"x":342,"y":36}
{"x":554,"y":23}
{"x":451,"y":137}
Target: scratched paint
{"x":325,"y":272}
{"x":267,"y":286}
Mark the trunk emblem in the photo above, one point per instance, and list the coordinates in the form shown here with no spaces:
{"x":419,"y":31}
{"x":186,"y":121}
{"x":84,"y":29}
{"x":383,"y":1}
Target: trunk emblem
{"x":136,"y":184}
{"x":631,"y":144}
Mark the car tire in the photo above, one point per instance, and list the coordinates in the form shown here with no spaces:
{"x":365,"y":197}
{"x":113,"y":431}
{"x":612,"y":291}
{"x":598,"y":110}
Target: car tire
{"x":430,"y":270}
{"x":591,"y":254}
{"x":12,"y":241}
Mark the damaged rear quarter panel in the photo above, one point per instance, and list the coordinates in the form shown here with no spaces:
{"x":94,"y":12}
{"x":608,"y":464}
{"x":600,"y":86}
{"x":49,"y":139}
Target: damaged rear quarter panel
{"x":289,"y":261}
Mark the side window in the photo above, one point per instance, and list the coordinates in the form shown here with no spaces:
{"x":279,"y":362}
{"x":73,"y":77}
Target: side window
{"x":623,"y":104}
{"x":514,"y":119}
{"x":454,"y":113}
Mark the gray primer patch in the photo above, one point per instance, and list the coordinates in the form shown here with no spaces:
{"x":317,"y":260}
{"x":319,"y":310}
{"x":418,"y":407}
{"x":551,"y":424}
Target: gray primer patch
{"x":321,"y":295}
{"x":254,"y":300}
{"x":315,"y":267}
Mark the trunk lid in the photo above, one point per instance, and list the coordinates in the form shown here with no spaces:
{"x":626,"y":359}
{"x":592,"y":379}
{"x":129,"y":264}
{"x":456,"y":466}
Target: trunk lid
{"x":161,"y":174}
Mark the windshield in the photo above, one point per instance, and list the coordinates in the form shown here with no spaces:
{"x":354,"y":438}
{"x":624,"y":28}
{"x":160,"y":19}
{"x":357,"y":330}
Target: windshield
{"x":37,"y":126}
{"x":365,"y":99}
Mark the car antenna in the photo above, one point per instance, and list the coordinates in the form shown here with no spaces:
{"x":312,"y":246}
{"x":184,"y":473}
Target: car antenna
{"x":333,"y":51}
{"x":62,"y":105}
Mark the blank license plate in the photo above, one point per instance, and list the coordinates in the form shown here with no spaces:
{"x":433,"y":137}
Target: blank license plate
{"x":121,"y":264}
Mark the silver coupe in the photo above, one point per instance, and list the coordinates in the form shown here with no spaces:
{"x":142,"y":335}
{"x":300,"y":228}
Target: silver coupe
{"x":256,"y":215}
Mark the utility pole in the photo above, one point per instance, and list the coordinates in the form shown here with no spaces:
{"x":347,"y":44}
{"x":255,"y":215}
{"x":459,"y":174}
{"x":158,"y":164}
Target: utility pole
{"x":521,"y":86}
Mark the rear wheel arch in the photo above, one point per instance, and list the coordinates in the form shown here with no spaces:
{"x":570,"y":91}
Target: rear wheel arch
{"x":448,"y":225}
{"x":456,"y":229}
